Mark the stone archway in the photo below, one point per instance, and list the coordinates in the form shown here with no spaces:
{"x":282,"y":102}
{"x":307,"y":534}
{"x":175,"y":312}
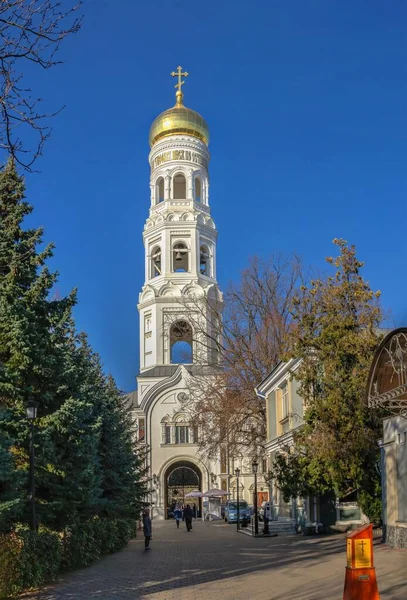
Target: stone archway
{"x":180,"y":478}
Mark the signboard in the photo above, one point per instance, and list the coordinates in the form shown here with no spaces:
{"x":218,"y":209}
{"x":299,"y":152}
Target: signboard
{"x":387,"y":383}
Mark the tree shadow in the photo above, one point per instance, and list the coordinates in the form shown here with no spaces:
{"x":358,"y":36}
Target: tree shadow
{"x":212,"y":554}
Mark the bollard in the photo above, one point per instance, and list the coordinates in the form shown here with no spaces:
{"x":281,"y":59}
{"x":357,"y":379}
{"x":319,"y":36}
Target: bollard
{"x":360,"y":574}
{"x":266,"y":530}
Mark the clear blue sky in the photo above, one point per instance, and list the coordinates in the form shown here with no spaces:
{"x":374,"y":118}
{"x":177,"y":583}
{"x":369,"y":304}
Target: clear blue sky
{"x":306,"y":103}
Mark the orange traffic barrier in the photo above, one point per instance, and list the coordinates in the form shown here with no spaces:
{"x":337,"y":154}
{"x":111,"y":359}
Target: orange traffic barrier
{"x":360,"y":576}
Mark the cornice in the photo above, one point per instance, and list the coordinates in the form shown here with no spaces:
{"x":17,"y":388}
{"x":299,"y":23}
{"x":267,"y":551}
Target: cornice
{"x":183,"y":142}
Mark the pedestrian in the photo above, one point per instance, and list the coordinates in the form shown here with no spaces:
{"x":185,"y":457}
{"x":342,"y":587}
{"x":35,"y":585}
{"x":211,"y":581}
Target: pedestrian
{"x":188,"y":517}
{"x":147,"y":529}
{"x":177,"y":514}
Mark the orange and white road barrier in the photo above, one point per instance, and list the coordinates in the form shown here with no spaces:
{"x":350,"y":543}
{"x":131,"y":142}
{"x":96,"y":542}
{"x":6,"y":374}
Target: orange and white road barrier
{"x":360,"y":577}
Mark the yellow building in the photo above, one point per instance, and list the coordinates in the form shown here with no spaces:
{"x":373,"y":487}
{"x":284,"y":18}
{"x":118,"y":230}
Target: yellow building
{"x":285,"y":414}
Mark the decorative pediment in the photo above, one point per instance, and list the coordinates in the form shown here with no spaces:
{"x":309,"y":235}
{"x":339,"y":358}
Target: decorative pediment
{"x":169,"y":289}
{"x":148,"y":293}
{"x":193,"y":289}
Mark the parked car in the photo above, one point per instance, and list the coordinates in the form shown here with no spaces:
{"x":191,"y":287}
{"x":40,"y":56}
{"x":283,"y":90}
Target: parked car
{"x":231,"y":511}
{"x":265,"y":509}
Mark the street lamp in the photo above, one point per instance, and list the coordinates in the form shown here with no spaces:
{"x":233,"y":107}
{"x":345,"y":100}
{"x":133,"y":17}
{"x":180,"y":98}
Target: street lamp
{"x":255,"y":466}
{"x":31,"y":411}
{"x":237,"y":473}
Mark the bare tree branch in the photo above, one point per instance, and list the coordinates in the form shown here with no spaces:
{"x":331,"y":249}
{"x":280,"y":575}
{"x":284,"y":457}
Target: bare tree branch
{"x":242,"y":339}
{"x":31,"y":31}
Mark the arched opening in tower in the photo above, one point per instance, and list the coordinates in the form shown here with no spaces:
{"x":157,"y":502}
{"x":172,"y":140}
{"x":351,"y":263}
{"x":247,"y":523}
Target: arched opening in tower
{"x":179,"y":187}
{"x":159,"y":190}
{"x":156,"y":262}
{"x":181,"y":343}
{"x":180,"y":262}
{"x":198,"y":190}
{"x":204,"y":261}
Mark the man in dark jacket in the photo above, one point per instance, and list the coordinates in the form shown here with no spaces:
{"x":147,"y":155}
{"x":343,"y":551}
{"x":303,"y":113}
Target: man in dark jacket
{"x":147,"y":529}
{"x":188,"y":514}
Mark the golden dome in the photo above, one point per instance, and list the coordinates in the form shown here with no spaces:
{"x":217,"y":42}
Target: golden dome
{"x":179,"y":120}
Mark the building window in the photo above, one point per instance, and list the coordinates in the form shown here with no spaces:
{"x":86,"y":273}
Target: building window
{"x":284,"y":402}
{"x":167,"y":436}
{"x":223,"y":466}
{"x":180,"y":262}
{"x":141,"y":429}
{"x":179,"y":187}
{"x":156,"y":262}
{"x":182,"y":434}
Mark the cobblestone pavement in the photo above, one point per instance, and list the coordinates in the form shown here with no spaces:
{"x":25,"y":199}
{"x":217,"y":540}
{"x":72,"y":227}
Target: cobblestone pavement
{"x":214,"y":562}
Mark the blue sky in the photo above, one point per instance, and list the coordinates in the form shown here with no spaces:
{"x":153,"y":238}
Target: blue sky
{"x":306,"y":103}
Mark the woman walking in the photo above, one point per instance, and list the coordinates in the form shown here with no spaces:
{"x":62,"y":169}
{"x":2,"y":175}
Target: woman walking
{"x":147,"y":529}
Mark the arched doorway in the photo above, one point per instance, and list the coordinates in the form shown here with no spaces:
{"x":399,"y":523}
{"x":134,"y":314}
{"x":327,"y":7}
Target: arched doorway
{"x":181,"y":478}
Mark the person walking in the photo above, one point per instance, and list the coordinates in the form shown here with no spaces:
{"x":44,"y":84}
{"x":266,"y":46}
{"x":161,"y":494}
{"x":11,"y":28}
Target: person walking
{"x":188,"y":514}
{"x":177,"y":514}
{"x":147,"y":528}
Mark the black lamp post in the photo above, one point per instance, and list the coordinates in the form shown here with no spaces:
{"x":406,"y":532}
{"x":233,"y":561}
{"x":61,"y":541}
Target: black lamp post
{"x":237,"y":473}
{"x":255,"y":466}
{"x":31,"y":411}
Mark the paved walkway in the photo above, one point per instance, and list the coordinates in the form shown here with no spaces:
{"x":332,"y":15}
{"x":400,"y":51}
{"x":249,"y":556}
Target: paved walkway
{"x":214,"y":562}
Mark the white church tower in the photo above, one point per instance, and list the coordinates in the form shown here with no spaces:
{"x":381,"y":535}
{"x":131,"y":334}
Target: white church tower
{"x":180,"y":260}
{"x":179,"y":235}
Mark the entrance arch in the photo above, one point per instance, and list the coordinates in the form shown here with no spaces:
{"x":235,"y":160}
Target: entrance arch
{"x":180,"y":478}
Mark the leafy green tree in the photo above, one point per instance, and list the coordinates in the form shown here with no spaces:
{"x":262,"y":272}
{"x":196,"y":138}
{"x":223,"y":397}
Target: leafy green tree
{"x":335,"y":333}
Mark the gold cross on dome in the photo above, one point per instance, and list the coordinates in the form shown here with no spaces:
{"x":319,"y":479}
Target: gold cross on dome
{"x":178,"y":73}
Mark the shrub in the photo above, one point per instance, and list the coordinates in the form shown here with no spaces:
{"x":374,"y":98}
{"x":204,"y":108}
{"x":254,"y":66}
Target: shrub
{"x":28,"y":559}
{"x":86,"y":542}
{"x":10,"y":550}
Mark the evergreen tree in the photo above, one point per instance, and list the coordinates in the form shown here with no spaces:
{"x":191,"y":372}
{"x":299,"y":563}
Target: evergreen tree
{"x":27,"y":354}
{"x":335,"y":334}
{"x":122,"y":461}
{"x":86,"y":463}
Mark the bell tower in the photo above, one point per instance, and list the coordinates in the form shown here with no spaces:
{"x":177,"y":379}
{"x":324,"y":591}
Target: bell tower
{"x":179,"y":240}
